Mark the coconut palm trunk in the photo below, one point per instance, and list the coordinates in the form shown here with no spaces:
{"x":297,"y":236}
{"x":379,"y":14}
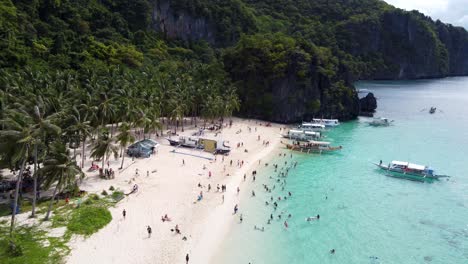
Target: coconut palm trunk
{"x":33,"y":210}
{"x":17,"y":189}
{"x":52,"y":202}
{"x":123,"y":157}
{"x":83,"y":153}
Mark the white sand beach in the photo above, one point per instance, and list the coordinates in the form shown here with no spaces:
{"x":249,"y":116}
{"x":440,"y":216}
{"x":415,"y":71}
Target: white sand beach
{"x":172,"y":188}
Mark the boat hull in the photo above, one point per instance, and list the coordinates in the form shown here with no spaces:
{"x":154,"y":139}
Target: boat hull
{"x":312,"y":149}
{"x":173,"y":142}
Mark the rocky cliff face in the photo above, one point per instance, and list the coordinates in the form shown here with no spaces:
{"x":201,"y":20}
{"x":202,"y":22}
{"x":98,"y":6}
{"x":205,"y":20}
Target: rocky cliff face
{"x":293,"y":100}
{"x":410,"y":46}
{"x":368,"y":104}
{"x":455,"y":40}
{"x":395,"y":44}
{"x":180,"y":24}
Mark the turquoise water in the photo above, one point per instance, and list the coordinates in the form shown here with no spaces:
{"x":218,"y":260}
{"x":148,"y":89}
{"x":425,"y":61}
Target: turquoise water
{"x":366,"y":216}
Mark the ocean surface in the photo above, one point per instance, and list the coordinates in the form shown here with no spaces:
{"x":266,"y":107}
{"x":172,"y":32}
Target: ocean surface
{"x":366,"y":216}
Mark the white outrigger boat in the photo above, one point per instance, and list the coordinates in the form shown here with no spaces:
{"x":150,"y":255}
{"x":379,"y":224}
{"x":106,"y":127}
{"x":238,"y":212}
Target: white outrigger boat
{"x":326,"y":122}
{"x":380,"y":121}
{"x":302,"y":135}
{"x":311,"y":127}
{"x":404,"y":169}
{"x":312,"y":146}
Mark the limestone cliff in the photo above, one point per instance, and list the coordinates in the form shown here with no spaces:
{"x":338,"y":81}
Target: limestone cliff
{"x":368,"y":40}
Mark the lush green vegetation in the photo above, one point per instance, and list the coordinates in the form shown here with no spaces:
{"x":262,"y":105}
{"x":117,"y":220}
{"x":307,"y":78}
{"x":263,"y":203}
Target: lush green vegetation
{"x":86,"y":40}
{"x":33,"y":244}
{"x":87,"y":220}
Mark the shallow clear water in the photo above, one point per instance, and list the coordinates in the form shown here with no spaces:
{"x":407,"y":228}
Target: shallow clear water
{"x":366,"y":216}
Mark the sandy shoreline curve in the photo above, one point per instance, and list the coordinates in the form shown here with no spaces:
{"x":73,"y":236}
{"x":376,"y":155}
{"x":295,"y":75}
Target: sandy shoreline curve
{"x":168,"y":184}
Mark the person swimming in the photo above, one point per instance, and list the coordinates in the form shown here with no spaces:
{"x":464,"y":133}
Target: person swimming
{"x":310,"y":218}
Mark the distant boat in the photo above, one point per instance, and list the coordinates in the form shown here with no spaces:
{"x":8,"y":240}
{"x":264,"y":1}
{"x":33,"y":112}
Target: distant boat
{"x":311,"y":127}
{"x":432,"y":110}
{"x":380,"y":121}
{"x":301,"y":135}
{"x":312,"y":146}
{"x":404,"y":169}
{"x":363,"y":91}
{"x":326,"y":122}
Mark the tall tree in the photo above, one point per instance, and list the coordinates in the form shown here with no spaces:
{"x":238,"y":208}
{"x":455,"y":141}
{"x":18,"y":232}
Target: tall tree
{"x":124,"y":137}
{"x":104,"y":147}
{"x":59,"y":169}
{"x":16,"y":140}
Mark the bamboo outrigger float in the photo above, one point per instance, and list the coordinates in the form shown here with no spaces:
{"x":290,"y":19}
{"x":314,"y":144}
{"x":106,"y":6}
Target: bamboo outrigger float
{"x":312,"y":146}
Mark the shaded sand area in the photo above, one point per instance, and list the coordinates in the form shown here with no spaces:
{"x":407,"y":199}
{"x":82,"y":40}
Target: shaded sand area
{"x":168,"y":184}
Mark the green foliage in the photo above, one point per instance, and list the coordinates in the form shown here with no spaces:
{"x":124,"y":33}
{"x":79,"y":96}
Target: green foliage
{"x":87,"y":220}
{"x":29,"y":247}
{"x":117,"y":195}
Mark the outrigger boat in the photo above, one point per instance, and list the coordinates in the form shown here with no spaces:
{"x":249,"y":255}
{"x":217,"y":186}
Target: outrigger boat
{"x":326,"y":122}
{"x":312,"y":146}
{"x":404,"y":169}
{"x":380,"y":121}
{"x":188,"y":142}
{"x":302,"y":135}
{"x":311,"y":127}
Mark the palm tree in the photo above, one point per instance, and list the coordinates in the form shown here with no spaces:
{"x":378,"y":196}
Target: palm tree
{"x":41,"y":129}
{"x":231,"y":102}
{"x":124,"y":137}
{"x":16,"y":141}
{"x":104,"y":147}
{"x":59,"y":168}
{"x":82,"y":127}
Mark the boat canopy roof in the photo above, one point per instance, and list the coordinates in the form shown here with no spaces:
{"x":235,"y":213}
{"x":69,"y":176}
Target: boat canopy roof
{"x":312,"y":133}
{"x":411,"y":166}
{"x":312,"y":125}
{"x":400,"y":163}
{"x":324,"y":119}
{"x":295,"y":131}
{"x":416,"y":166}
{"x":323,"y":143}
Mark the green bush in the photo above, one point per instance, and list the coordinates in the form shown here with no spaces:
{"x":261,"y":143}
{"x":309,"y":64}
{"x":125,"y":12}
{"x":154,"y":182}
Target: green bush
{"x":104,"y":193}
{"x":88,"y":219}
{"x":117,"y":196}
{"x":111,"y":188}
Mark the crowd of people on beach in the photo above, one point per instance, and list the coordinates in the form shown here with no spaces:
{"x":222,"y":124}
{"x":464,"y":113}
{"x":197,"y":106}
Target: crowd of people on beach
{"x":273,"y":185}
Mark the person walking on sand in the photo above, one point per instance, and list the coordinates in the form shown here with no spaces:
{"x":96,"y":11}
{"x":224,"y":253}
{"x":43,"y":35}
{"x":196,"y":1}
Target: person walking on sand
{"x":149,"y":231}
{"x":238,"y":190}
{"x":187,"y":258}
{"x":183,"y":162}
{"x":223,"y":198}
{"x":236,"y":208}
{"x":124,"y":213}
